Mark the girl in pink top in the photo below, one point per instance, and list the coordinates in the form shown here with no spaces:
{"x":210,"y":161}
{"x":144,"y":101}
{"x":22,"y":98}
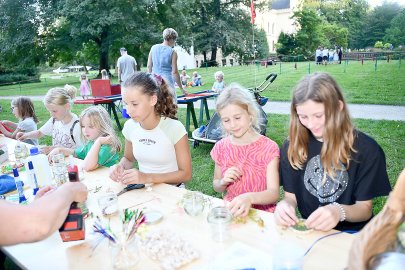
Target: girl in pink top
{"x":246,"y":163}
{"x":84,"y":86}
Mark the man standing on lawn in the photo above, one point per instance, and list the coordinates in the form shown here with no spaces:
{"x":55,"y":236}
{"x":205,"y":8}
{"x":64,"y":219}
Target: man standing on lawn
{"x":126,"y":66}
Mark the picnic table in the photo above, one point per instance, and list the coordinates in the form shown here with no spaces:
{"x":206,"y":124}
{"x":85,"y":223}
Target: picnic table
{"x":189,"y":100}
{"x":109,"y":102}
{"x":249,"y":238}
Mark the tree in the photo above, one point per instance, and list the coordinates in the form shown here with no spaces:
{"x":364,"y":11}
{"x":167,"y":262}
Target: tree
{"x":220,"y":24}
{"x":334,"y":35}
{"x":349,"y":14}
{"x":395,"y":34}
{"x":308,"y":37}
{"x":378,"y":21}
{"x":378,"y":45}
{"x":20,"y":47}
{"x":286,"y":44}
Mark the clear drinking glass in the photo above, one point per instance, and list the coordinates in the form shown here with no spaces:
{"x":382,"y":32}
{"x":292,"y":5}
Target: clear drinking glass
{"x":59,"y":169}
{"x":219,"y":219}
{"x":193,"y":203}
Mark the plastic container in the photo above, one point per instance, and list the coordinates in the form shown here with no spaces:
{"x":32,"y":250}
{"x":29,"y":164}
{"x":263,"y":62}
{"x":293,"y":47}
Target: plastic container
{"x":42,"y":168}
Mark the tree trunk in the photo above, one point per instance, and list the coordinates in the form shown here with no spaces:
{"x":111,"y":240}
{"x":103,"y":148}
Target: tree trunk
{"x":205,"y":56}
{"x":104,"y":48}
{"x":213,"y":54}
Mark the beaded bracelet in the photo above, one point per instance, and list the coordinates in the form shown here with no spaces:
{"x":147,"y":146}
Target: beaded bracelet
{"x":342,"y":211}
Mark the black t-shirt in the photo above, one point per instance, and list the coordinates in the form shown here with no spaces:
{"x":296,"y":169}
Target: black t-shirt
{"x":366,"y":178}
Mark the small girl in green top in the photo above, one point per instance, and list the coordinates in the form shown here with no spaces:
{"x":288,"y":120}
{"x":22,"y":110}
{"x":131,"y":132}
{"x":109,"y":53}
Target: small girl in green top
{"x":101,"y":144}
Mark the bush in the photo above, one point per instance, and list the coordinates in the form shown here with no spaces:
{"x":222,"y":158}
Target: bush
{"x":10,"y":78}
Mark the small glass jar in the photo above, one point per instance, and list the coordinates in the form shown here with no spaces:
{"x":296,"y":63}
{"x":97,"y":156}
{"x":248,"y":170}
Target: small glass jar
{"x":193,"y":203}
{"x":108,"y":204}
{"x":59,"y":169}
{"x":219,"y":219}
{"x":124,"y":253}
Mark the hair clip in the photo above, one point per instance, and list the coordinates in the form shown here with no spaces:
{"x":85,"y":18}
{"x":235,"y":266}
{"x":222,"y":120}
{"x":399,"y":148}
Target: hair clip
{"x":158,"y":79}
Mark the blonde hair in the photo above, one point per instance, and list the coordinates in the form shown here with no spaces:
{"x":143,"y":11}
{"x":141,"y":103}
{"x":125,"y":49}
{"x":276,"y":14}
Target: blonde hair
{"x":338,"y":134}
{"x":219,"y":73}
{"x":60,"y":96}
{"x":104,"y":75}
{"x":235,"y":94}
{"x":170,"y":34}
{"x":100,"y":119}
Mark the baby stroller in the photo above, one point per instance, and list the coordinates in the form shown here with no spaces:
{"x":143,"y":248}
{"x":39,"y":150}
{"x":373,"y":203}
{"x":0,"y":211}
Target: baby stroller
{"x":213,"y":131}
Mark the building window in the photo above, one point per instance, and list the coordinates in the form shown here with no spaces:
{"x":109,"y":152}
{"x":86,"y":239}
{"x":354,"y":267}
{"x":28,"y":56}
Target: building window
{"x":223,"y":62}
{"x":231,"y":62}
{"x":272,"y":46}
{"x":196,"y":63}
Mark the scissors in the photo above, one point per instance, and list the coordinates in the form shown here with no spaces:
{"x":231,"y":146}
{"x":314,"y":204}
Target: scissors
{"x":130,"y":187}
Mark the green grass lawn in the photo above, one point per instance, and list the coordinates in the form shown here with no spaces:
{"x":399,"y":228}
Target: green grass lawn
{"x":362,"y":84}
{"x":389,"y":134}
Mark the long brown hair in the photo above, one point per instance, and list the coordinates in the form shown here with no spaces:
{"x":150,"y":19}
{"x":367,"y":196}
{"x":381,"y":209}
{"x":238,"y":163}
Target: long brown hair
{"x":25,"y":108}
{"x":338,"y":134}
{"x":152,"y":84}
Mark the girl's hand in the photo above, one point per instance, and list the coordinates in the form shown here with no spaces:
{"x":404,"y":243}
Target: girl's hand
{"x":133,"y":176}
{"x":105,"y":140}
{"x":20,"y":136}
{"x":116,"y":172}
{"x":231,"y":175}
{"x":285,"y":214}
{"x":240,"y":205}
{"x":46,"y":149}
{"x":324,"y":218}
{"x":54,"y":151}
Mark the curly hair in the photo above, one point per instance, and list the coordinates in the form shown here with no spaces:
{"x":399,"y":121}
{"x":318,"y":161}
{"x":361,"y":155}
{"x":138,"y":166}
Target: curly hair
{"x":154,"y":85}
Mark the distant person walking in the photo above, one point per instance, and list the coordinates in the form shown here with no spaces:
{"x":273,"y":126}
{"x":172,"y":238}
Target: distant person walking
{"x":126,"y":66}
{"x":162,"y":60}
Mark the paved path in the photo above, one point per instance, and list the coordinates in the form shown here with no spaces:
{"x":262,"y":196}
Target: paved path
{"x":362,"y":111}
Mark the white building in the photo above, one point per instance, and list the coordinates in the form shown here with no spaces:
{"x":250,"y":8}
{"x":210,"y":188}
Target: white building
{"x":277,"y":20}
{"x":185,"y":60}
{"x":188,"y":60}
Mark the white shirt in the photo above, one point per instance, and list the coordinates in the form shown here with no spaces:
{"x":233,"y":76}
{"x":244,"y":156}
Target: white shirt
{"x":154,"y":149}
{"x":61,"y":135}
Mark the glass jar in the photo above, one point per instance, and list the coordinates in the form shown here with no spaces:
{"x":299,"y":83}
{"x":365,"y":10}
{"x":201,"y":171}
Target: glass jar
{"x":124,"y":252}
{"x":219,"y":219}
{"x":193,"y":203}
{"x":59,"y":169}
{"x":19,"y":152}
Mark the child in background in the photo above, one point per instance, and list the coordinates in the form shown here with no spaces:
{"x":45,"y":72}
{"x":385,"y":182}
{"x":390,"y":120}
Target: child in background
{"x":153,"y":137}
{"x":104,"y":75}
{"x":101,"y":143}
{"x":84,"y":86}
{"x":184,"y":77}
{"x":63,"y":124}
{"x":23,"y":110}
{"x":219,"y":83}
{"x":246,"y":163}
{"x":328,"y":169}
{"x":196,"y":79}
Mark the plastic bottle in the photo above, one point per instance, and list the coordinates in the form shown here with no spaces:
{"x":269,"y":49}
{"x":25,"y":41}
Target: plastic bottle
{"x":19,"y":186}
{"x":32,"y":177}
{"x":42,"y":168}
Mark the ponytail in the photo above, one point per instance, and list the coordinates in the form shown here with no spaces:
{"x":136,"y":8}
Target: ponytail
{"x":152,"y":84}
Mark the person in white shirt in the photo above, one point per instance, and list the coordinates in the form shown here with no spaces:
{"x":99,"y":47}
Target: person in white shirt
{"x":153,"y":137}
